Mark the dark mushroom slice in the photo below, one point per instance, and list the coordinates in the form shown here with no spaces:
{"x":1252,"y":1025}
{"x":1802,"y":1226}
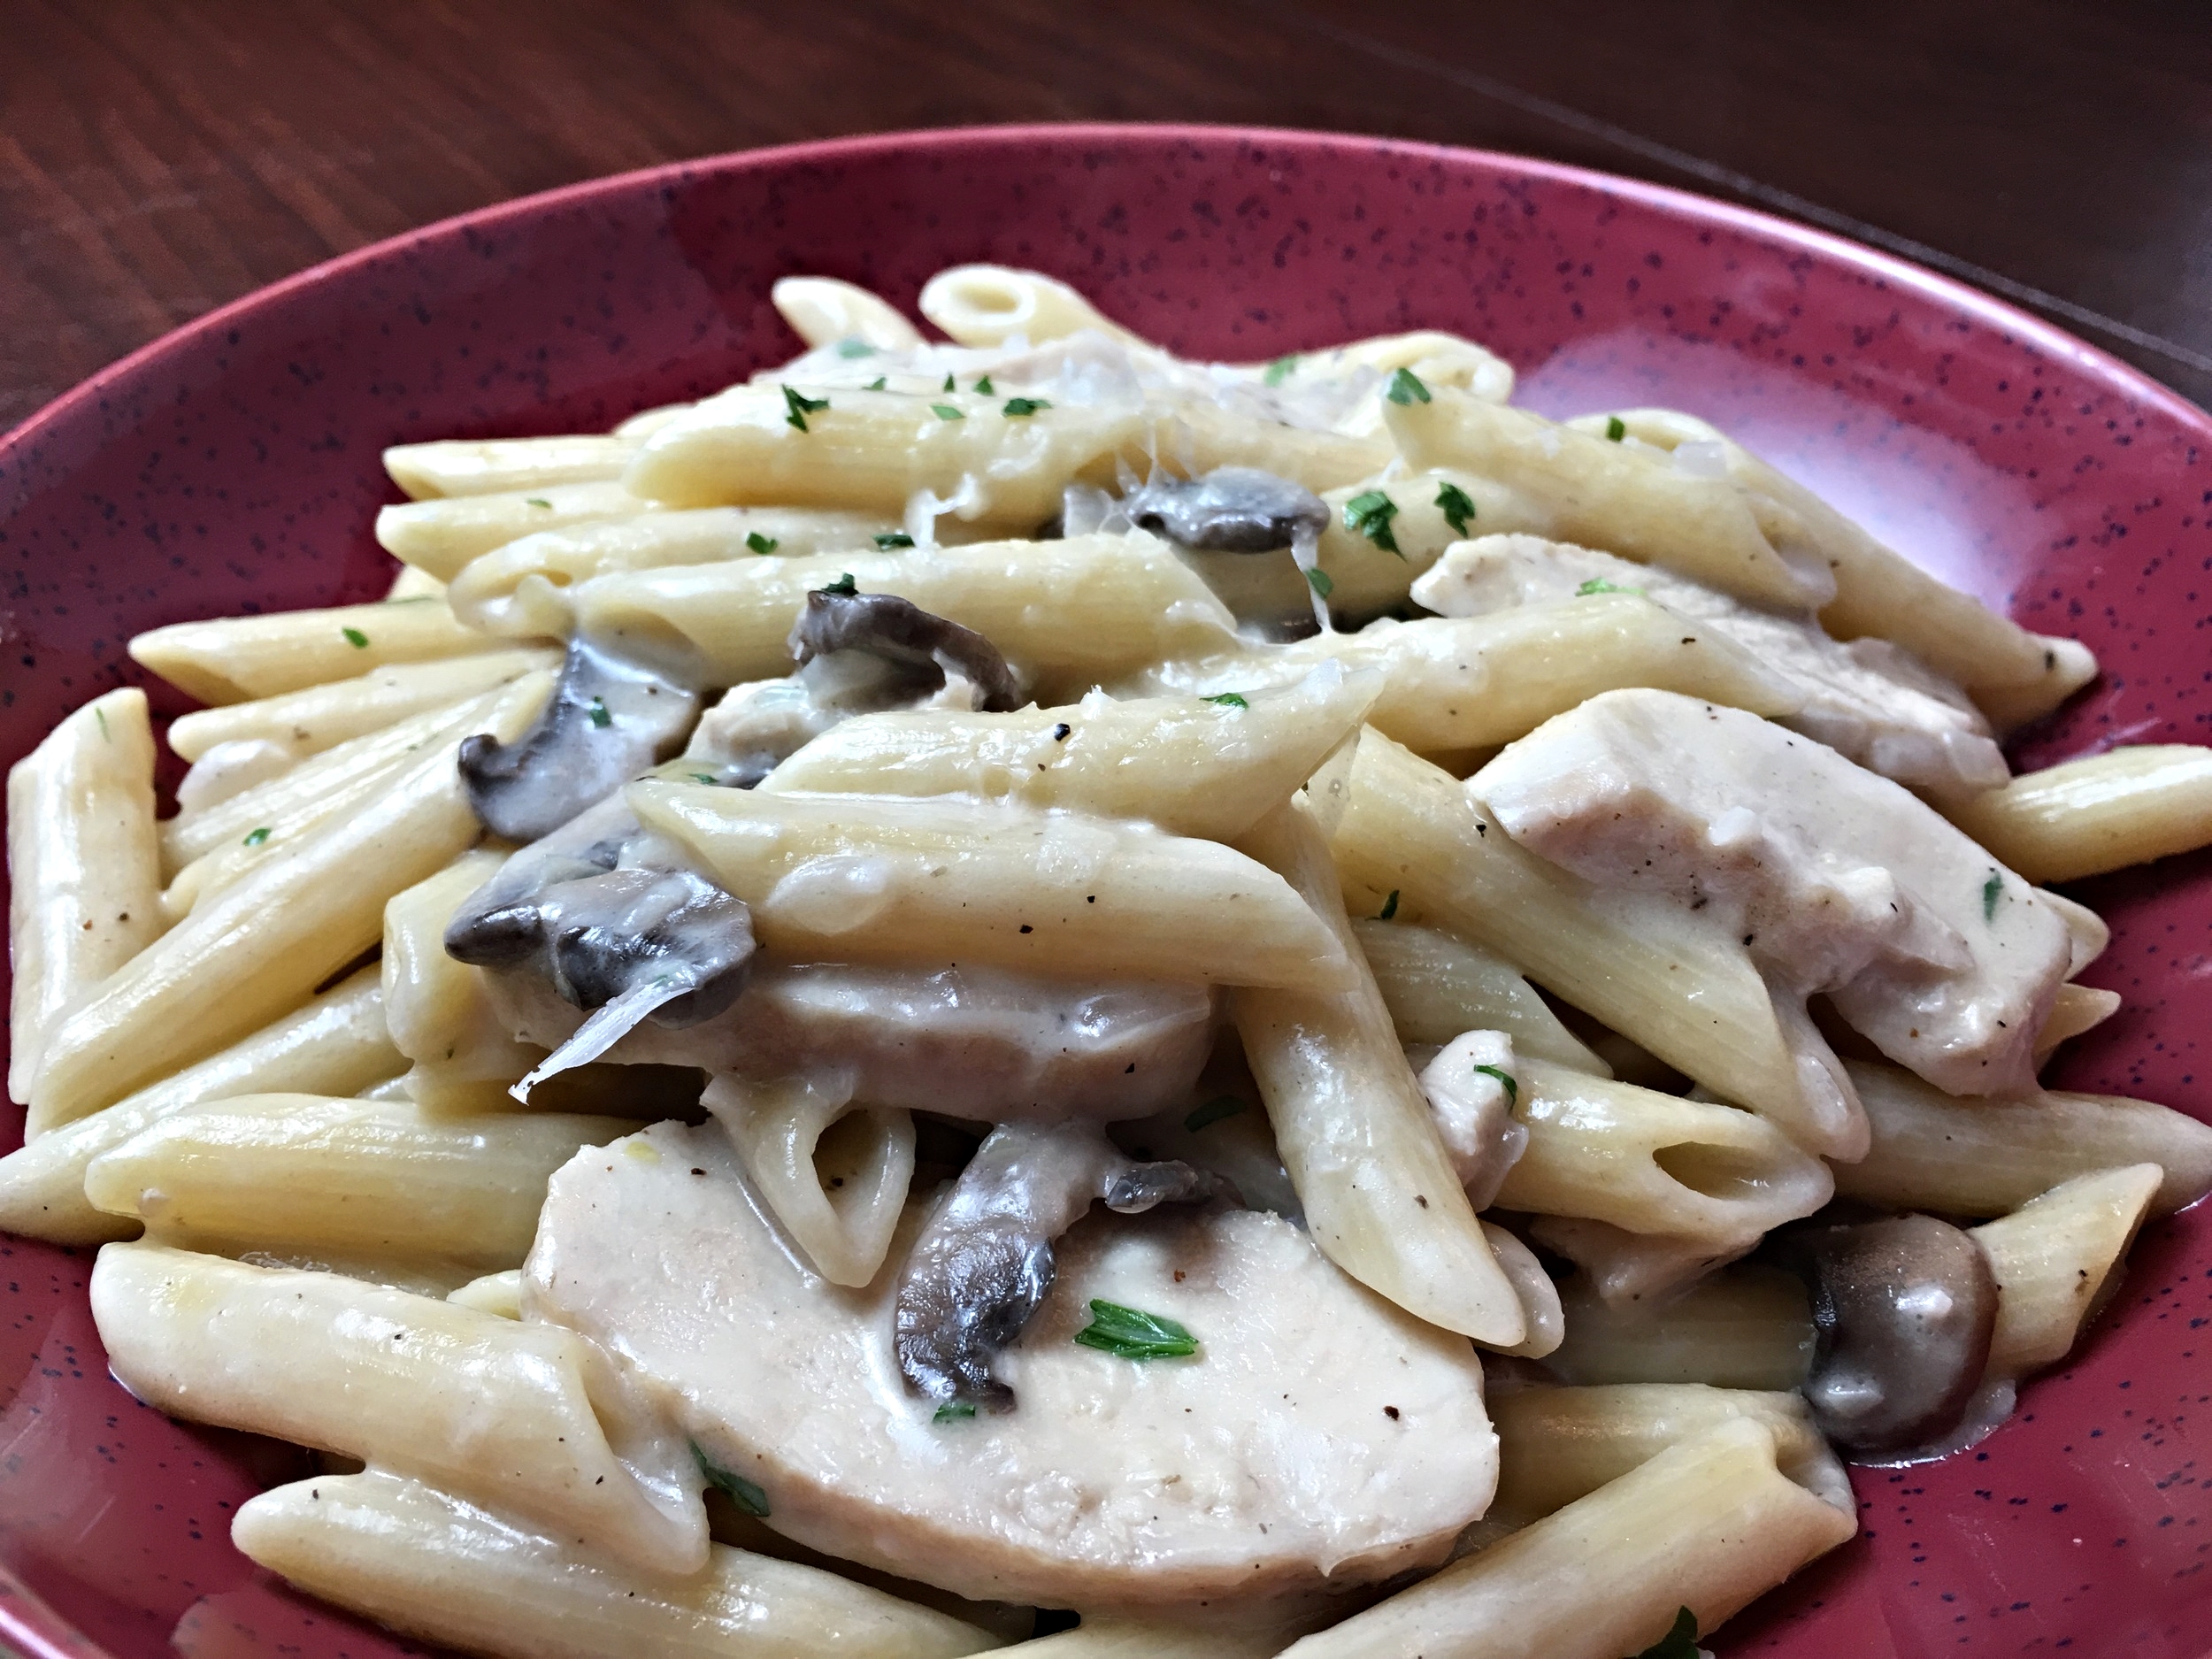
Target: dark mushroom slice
{"x":983,"y":1263}
{"x":1230,"y":510}
{"x":607,"y":720}
{"x":898,"y":632}
{"x":1904,"y":1309}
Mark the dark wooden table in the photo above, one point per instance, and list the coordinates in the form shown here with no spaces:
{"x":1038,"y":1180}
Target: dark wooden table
{"x":158,"y":159}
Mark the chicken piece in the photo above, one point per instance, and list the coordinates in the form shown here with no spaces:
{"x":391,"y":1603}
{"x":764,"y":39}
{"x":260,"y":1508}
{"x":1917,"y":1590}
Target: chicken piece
{"x":1120,"y":1487}
{"x":1867,"y":700}
{"x":1471,"y":1088}
{"x":1835,"y":879}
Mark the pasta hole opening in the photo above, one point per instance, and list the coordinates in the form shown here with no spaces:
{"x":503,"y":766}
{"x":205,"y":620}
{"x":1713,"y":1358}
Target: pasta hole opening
{"x":1722,"y":1173}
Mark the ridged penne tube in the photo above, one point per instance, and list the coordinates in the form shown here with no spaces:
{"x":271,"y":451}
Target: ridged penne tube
{"x":1973,"y":1157}
{"x":1881,"y":592}
{"x":1355,"y":1130}
{"x":527,"y":1415}
{"x":424,"y":1562}
{"x":440,"y":535}
{"x":874,"y":450}
{"x":261,"y":945}
{"x":311,"y":1174}
{"x":1747,"y":1326}
{"x":1089,"y":607}
{"x":825,"y":312}
{"x":439,"y":1012}
{"x":835,"y":1176}
{"x":1709,"y":1524}
{"x":410,"y":583}
{"x":987,"y":304}
{"x":2057,"y":1259}
{"x":1111,"y":1639}
{"x":483,"y":593}
{"x":499,"y":1293}
{"x":2075,"y":1009}
{"x":1466,"y":682}
{"x":1654,"y":1163}
{"x":335,"y":1045}
{"x":1543,"y":1321}
{"x":1197,"y":437}
{"x":231,"y":659}
{"x":320,"y":718}
{"x":1437,"y":986}
{"x":2127,"y":806}
{"x":84,"y":873}
{"x":484,"y":466}
{"x":1667,"y":978}
{"x":1436,"y":358}
{"x":1608,"y":496}
{"x":843,"y":879}
{"x":1624,"y":1267}
{"x":1191,"y":765}
{"x":1558,"y":1444}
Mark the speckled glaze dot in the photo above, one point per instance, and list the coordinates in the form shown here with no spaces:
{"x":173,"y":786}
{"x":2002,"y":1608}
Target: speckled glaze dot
{"x":233,"y":465}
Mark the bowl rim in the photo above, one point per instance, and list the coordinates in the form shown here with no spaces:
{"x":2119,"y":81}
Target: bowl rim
{"x":2123,"y":378}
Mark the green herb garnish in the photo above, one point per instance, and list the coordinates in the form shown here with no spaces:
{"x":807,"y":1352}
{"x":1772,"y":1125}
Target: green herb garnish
{"x":1405,"y":388}
{"x":740,"y":1491}
{"x":1458,"y":507}
{"x":1318,"y":580}
{"x":1390,"y":907}
{"x":1213,"y":1111}
{"x":948,"y":385}
{"x":1678,"y":1643}
{"x":855,"y":349}
{"x":1616,"y":429}
{"x":1281,"y":370}
{"x":597,"y":709}
{"x":759,"y":543}
{"x":800,"y":406}
{"x":985,"y":386}
{"x":1512,"y":1090}
{"x":101,"y":715}
{"x":255,"y":837}
{"x":891,"y":539}
{"x":875,"y":385}
{"x":355,"y":639}
{"x":1370,"y":513}
{"x":954,"y":1411}
{"x":1026,"y":405}
{"x":1132,"y":1333}
{"x":946,"y":411}
{"x":1991,"y":890}
{"x":537,"y":500}
{"x":1598,"y":584}
{"x":1229,"y":700}
{"x":844,"y":586}
{"x":704,"y":777}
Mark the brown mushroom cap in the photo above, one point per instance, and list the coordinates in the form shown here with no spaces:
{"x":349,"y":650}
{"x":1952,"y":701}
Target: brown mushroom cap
{"x":900,"y":632}
{"x":1230,"y":510}
{"x":1905,"y":1308}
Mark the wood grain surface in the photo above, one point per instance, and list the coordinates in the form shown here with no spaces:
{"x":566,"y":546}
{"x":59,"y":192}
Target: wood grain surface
{"x":158,"y":159}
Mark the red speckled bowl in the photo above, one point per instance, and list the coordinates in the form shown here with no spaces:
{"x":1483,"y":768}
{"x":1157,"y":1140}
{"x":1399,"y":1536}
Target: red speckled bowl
{"x":234,"y":465}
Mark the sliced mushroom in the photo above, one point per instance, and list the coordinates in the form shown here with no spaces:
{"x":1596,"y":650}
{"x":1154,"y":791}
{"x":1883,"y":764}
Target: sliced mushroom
{"x":1230,"y":510}
{"x":896,"y":631}
{"x":984,"y":1262}
{"x":1905,"y":1309}
{"x":607,"y":721}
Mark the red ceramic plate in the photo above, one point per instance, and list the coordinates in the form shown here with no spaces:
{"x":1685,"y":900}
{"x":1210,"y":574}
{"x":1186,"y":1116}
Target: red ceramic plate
{"x":234,"y":465}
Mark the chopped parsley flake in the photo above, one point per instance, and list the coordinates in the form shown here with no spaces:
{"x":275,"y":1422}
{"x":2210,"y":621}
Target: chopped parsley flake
{"x":1132,"y":1333}
{"x":949,"y":385}
{"x":537,"y":500}
{"x":844,"y":586}
{"x":1281,"y":370}
{"x":1616,"y":429}
{"x":1319,"y":582}
{"x":893,"y":538}
{"x":1229,"y":700}
{"x":597,"y":709}
{"x":1512,"y":1090}
{"x":704,"y":777}
{"x":1405,"y":388}
{"x":101,"y":715}
{"x":855,"y":349}
{"x":1370,"y":513}
{"x":1213,"y":1111}
{"x":801,"y":406}
{"x":1680,"y":1642}
{"x":1991,"y":890}
{"x":1458,"y":507}
{"x":954,"y":1411}
{"x":355,"y":639}
{"x":759,"y":543}
{"x":740,"y":1491}
{"x":875,"y":385}
{"x":1026,"y":405}
{"x":255,"y":837}
{"x":946,"y":411}
{"x":1390,"y":907}
{"x":1598,"y":584}
{"x":985,"y":386}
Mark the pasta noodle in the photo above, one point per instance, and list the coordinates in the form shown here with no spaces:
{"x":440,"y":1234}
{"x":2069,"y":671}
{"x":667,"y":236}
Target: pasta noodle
{"x":1744,"y":1327}
{"x":2056,"y":1260}
{"x":2127,"y":806}
{"x":1437,"y":986}
{"x":824,"y":312}
{"x":504,"y":465}
{"x":439,"y":1010}
{"x":236,"y":658}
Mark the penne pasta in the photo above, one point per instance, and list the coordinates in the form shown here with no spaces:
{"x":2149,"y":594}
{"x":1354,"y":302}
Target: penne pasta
{"x":831,"y":877}
{"x":1435,"y":359}
{"x":232,"y":659}
{"x":1969,"y":1157}
{"x":1191,"y":765}
{"x":499,"y":1293}
{"x":1708,"y":1525}
{"x":1747,"y":1326}
{"x":2103,"y":812}
{"x":485,"y":466}
{"x":335,"y":1045}
{"x":1624,"y":1267}
{"x":502,"y":1410}
{"x":2075,"y":1009}
{"x":84,"y":875}
{"x":835,"y":1178}
{"x":264,"y":944}
{"x":824,"y":312}
{"x":311,"y":1175}
{"x":990,"y":305}
{"x":1543,"y":1321}
{"x":1355,"y":1130}
{"x":442,"y":1568}
{"x":439,"y":1010}
{"x":439,"y":537}
{"x":1437,"y":986}
{"x":2057,"y":1259}
{"x":1113,"y":1638}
